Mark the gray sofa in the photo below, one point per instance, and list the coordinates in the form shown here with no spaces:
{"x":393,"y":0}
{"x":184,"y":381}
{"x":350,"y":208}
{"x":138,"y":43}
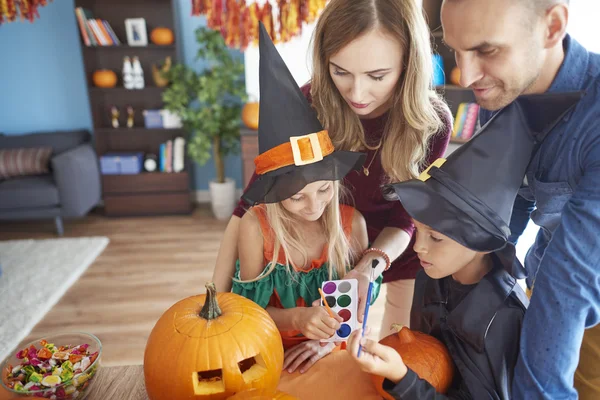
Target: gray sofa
{"x":71,"y":189}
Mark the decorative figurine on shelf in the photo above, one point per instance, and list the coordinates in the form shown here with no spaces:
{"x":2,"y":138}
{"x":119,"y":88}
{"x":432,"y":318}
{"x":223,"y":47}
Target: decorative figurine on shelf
{"x":130,"y":114}
{"x":114,"y":112}
{"x":138,"y":74}
{"x":158,"y":73}
{"x":150,"y":162}
{"x":127,"y":73}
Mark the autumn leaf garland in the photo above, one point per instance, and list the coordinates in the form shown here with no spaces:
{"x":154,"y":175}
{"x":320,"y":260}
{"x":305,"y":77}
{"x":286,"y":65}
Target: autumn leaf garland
{"x":11,"y":10}
{"x":237,"y":20}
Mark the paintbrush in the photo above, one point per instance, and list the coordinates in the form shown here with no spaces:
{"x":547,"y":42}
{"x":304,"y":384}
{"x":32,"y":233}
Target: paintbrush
{"x":368,"y":305}
{"x":325,"y":304}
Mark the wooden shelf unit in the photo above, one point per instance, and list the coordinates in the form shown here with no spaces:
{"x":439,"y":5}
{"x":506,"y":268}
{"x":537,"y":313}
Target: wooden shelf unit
{"x":155,"y":193}
{"x":453,"y":94}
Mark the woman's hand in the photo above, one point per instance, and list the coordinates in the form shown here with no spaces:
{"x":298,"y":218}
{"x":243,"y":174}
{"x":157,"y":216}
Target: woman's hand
{"x":362,"y":273}
{"x":308,"y":352}
{"x":376,"y":358}
{"x":315,"y":322}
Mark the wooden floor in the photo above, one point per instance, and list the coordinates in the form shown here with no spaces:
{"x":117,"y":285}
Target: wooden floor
{"x":149,"y":264}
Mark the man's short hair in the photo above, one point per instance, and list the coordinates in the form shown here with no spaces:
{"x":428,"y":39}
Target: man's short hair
{"x":540,"y":6}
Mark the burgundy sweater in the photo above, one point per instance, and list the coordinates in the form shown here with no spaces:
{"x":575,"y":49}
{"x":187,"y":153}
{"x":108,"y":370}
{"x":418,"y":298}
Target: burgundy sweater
{"x":368,"y":198}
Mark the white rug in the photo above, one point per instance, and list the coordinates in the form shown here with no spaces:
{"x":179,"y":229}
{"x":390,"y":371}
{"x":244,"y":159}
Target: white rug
{"x":35,"y":275}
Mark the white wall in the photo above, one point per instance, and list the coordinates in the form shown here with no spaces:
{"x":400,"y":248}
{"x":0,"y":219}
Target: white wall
{"x":295,"y":54}
{"x":583,"y":23}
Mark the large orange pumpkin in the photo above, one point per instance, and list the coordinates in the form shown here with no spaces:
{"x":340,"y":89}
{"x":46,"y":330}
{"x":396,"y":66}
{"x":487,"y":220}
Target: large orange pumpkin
{"x":211,"y":347}
{"x":162,"y":36}
{"x":424,"y":354}
{"x":262,"y":394}
{"x":250,"y":115}
{"x":104,"y":78}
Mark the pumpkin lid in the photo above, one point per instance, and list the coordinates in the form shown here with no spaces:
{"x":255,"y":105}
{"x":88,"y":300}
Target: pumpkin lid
{"x":294,"y":148}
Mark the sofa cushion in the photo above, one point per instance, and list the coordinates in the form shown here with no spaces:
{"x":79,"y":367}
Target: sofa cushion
{"x":59,"y":141}
{"x":26,"y":161}
{"x":28,"y":192}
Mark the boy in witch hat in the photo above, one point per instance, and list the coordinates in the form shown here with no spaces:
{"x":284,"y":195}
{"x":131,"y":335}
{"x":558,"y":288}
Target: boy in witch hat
{"x":297,"y":235}
{"x":467,"y":294}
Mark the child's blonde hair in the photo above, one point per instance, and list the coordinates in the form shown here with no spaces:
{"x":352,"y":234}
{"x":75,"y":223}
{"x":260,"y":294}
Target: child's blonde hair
{"x":287,"y":236}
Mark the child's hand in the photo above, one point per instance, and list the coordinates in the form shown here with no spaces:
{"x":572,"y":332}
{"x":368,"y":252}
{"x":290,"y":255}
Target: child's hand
{"x":315,"y":322}
{"x":376,"y":358}
{"x":310,"y":351}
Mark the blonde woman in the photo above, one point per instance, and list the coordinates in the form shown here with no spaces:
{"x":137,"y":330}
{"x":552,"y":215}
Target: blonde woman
{"x":372,"y":90}
{"x":297,"y":235}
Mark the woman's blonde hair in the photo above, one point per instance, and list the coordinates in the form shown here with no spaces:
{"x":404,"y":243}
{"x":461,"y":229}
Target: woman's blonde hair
{"x":286,"y":236}
{"x":414,"y":117}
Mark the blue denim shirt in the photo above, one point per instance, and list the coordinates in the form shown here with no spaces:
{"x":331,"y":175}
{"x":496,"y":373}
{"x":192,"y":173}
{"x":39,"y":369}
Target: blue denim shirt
{"x":563,"y":182}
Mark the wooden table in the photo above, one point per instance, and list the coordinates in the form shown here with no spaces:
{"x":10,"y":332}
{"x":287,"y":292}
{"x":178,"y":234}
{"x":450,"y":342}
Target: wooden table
{"x":127,"y":382}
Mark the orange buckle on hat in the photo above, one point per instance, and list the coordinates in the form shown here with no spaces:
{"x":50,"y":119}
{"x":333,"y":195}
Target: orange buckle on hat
{"x":300,"y":150}
{"x":425,"y":174}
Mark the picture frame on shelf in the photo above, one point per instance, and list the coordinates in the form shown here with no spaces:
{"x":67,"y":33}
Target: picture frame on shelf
{"x":137,"y":35}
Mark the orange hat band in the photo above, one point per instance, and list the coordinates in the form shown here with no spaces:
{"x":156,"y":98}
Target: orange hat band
{"x":300,"y":150}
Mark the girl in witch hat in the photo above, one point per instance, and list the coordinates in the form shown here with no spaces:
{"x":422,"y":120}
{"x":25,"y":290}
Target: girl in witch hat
{"x":467,"y":296}
{"x":376,"y":53}
{"x":297,"y":235}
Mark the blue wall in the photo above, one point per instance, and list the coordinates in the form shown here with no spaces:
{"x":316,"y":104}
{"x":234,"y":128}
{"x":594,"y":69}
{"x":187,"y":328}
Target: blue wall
{"x":188,"y":48}
{"x":42,"y":80}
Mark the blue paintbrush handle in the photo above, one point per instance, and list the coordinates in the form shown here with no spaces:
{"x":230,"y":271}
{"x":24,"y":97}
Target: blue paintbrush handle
{"x":364,"y":325}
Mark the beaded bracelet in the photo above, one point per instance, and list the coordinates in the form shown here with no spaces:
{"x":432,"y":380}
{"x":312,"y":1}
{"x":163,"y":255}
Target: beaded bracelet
{"x":382,"y":253}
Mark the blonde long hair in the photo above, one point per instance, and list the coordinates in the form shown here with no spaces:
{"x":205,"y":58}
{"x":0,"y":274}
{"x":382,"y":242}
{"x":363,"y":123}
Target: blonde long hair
{"x":414,"y":117}
{"x":287,"y":236}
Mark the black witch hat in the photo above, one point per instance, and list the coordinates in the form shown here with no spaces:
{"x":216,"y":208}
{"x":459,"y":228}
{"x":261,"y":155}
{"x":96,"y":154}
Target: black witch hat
{"x":294,"y":148}
{"x":469,"y":197}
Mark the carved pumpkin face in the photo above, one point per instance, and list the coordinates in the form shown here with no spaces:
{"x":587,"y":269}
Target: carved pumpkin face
{"x":262,"y":394}
{"x":422,"y":353}
{"x":211,"y":347}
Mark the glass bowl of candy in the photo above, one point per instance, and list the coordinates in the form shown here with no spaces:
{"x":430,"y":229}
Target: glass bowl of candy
{"x":59,"y":367}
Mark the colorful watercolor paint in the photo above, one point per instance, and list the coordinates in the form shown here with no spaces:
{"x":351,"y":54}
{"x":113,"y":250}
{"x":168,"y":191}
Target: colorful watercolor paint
{"x":342,"y":298}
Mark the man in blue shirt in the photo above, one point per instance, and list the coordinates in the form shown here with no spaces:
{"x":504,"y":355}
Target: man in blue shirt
{"x":505,"y":48}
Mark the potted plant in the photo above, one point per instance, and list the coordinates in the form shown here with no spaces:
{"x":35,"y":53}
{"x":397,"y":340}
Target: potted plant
{"x":209,"y":104}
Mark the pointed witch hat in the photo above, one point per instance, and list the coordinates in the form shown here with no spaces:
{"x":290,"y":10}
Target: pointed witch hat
{"x":469,"y":196}
{"x":294,"y":148}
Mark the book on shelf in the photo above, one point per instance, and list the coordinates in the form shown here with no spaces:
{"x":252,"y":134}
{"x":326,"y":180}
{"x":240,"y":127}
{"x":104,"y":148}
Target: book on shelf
{"x":171,"y":155}
{"x":465,"y":121}
{"x":95,"y":32}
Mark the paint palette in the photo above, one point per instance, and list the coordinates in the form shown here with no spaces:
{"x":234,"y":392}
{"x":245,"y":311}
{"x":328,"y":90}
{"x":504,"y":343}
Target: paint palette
{"x":342,"y":298}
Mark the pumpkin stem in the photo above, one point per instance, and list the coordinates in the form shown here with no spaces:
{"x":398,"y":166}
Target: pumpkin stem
{"x":211,"y":309}
{"x":405,"y":335}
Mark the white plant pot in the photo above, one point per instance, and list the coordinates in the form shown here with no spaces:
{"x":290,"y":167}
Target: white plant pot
{"x":222,"y":198}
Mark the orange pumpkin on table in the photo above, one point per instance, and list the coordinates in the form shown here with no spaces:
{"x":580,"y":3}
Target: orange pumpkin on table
{"x":162,"y":36}
{"x":211,"y":347}
{"x":424,"y":354}
{"x":262,"y":394}
{"x":104,"y":78}
{"x":250,"y":115}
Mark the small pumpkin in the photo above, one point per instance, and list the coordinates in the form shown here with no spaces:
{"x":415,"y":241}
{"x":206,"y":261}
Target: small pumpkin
{"x":424,"y":354}
{"x":262,"y":394}
{"x":162,"y":36}
{"x":455,"y":76}
{"x":211,"y":347}
{"x":250,"y":115}
{"x":104,"y":78}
